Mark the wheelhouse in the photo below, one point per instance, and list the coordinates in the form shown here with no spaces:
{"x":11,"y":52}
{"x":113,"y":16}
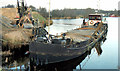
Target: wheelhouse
{"x":94,"y":18}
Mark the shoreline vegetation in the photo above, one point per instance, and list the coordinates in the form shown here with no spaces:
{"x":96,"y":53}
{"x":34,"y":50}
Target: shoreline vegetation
{"x":68,"y":13}
{"x":16,"y":37}
{"x":67,"y":17}
{"x":41,"y":19}
{"x":57,"y":18}
{"x":11,"y":14}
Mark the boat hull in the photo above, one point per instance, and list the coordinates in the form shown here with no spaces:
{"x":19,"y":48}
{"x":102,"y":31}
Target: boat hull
{"x":52,"y":53}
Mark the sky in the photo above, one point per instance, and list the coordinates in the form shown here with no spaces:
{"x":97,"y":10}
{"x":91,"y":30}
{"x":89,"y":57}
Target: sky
{"x":61,"y":4}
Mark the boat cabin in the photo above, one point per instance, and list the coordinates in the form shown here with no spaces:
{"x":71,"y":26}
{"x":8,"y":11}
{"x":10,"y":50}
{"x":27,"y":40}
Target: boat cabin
{"x":94,"y":18}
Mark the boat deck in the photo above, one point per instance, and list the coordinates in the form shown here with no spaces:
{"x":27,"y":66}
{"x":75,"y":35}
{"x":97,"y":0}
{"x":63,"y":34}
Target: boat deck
{"x":80,"y":34}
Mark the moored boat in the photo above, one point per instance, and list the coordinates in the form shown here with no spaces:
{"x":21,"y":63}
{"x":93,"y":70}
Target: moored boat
{"x":51,"y":49}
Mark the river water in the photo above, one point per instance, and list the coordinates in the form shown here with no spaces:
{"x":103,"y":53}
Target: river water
{"x":109,"y":57}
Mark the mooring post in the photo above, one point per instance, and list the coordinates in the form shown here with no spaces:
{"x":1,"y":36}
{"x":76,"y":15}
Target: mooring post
{"x":80,"y":67}
{"x":46,"y":61}
{"x":25,"y":66}
{"x":89,"y":48}
{"x":20,"y":68}
{"x":34,"y":68}
{"x":41,"y":62}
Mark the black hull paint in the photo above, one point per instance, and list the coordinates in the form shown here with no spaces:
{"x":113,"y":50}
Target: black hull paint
{"x":68,"y":65}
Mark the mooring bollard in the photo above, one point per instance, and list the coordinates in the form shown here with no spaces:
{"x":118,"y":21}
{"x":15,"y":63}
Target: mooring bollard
{"x":80,"y":67}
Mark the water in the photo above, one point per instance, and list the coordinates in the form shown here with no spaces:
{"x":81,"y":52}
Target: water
{"x":109,"y":57}
{"x":16,"y":63}
{"x":61,"y":26}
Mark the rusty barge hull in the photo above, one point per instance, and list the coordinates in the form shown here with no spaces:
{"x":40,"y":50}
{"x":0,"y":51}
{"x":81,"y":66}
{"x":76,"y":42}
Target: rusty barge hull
{"x":52,"y":53}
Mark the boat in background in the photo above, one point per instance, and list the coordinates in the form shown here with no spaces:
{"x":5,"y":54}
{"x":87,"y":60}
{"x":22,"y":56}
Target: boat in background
{"x":113,"y":15}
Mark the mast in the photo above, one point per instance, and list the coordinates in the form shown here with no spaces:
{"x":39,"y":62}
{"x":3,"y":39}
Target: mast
{"x":18,"y":6}
{"x":98,"y":6}
{"x":23,"y":3}
{"x":21,"y":9}
{"x":49,"y":21}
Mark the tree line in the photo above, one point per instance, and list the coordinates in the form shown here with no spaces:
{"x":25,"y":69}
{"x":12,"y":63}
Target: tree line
{"x":9,"y":6}
{"x":68,"y":12}
{"x":73,"y":12}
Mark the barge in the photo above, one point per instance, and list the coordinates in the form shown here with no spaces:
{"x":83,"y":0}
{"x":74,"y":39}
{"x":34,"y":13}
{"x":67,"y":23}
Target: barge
{"x":69,"y":45}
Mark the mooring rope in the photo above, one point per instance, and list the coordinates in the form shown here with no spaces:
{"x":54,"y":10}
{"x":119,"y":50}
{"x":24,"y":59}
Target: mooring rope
{"x":88,"y":59}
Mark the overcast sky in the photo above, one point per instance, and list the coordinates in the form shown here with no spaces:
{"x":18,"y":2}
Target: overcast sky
{"x":61,"y":4}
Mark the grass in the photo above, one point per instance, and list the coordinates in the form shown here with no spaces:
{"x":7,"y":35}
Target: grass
{"x":36,"y":15}
{"x":41,"y":19}
{"x":0,"y":69}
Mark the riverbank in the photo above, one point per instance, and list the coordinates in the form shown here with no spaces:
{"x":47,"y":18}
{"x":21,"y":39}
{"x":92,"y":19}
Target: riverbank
{"x":67,"y":17}
{"x":11,"y":13}
{"x":13,"y":38}
{"x":41,"y":19}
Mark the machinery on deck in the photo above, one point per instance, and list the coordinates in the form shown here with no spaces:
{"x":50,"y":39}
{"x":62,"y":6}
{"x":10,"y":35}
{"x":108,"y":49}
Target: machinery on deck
{"x":25,"y":17}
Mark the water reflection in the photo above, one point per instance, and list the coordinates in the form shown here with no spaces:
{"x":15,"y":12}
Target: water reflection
{"x":18,"y":63}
